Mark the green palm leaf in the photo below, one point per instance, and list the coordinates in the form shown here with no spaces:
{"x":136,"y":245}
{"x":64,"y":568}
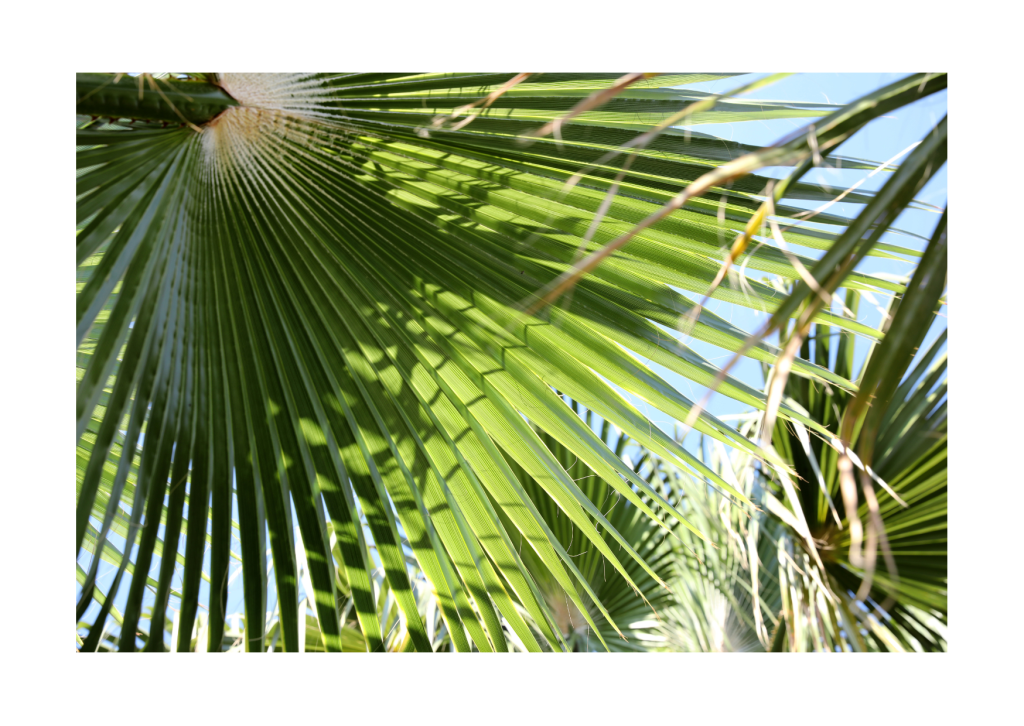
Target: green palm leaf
{"x":299,"y":310}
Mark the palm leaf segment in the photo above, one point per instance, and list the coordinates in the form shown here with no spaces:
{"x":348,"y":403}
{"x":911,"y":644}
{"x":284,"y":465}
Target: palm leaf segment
{"x":609,"y":597}
{"x":308,"y":311}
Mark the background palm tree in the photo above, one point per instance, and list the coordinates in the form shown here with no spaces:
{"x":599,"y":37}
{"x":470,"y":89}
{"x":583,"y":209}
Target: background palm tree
{"x":806,"y":589}
{"x":318,"y":304}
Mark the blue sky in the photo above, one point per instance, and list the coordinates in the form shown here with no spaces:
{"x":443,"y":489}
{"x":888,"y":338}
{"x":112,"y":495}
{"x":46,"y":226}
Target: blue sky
{"x":879,"y":141}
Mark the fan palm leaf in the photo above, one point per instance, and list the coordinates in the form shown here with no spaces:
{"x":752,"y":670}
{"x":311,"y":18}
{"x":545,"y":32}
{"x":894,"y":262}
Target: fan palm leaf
{"x":299,"y":310}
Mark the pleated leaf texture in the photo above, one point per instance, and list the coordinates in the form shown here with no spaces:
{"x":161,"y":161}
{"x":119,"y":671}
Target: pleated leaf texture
{"x":305,"y":314}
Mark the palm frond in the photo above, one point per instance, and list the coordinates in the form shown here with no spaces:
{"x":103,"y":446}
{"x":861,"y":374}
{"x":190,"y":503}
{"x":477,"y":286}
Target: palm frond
{"x":301,"y":327}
